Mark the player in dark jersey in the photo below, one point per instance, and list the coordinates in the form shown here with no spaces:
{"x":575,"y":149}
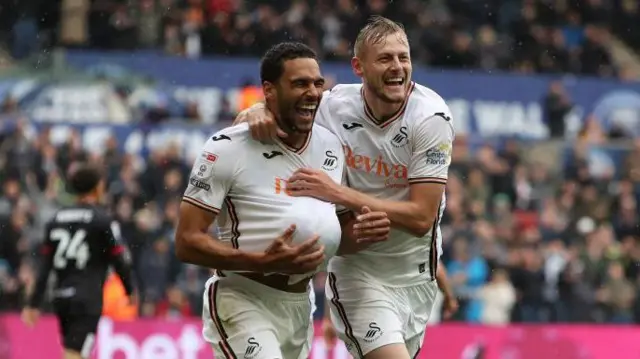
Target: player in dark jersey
{"x":81,"y":243}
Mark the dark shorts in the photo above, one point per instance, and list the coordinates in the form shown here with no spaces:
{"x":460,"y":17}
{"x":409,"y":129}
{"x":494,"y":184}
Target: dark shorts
{"x":77,"y":328}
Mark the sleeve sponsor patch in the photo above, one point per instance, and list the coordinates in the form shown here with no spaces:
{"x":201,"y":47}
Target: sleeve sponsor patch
{"x":203,"y":168}
{"x":199,"y":184}
{"x":209,"y":157}
{"x":439,"y":155}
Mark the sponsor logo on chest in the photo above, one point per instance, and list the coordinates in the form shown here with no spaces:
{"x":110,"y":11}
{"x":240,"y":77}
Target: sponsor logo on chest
{"x":393,"y":174}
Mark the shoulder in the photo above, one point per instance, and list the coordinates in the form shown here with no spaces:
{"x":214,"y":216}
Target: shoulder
{"x":335,"y":101}
{"x":325,"y":136}
{"x":232,"y":136}
{"x":428,"y":110}
{"x":229,"y":140}
{"x":346,"y":90}
{"x":425,"y":102}
{"x":101,"y":217}
{"x":342,"y":93}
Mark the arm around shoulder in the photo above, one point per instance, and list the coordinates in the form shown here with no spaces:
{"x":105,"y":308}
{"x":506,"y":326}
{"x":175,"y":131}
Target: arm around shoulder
{"x":432,"y":140}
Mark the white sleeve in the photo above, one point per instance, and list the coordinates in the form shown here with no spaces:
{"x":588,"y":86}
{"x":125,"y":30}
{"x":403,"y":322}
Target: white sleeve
{"x":323,"y":114}
{"x":345,"y":182}
{"x":431,"y":152}
{"x":212,"y":175}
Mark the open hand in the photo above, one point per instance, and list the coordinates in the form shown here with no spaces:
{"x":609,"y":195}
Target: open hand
{"x":262,"y":123}
{"x":450,"y":307}
{"x":371,"y":227}
{"x":307,"y":182}
{"x":284,"y":257}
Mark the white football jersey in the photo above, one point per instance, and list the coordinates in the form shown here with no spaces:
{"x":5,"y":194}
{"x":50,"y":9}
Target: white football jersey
{"x":439,"y":232}
{"x":383,"y":159}
{"x":244,"y":182}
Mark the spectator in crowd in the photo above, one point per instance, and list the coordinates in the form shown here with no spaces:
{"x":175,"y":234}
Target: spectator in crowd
{"x":468,"y":272}
{"x":498,"y":297}
{"x":556,"y":106}
{"x":523,"y":36}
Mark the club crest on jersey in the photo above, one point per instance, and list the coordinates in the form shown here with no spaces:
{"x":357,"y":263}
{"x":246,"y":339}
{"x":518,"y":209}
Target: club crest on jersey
{"x":330,"y":161}
{"x":253,"y":348}
{"x":374,"y":333}
{"x":401,"y":138}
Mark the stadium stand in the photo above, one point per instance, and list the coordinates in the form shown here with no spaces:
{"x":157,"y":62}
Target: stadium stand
{"x":549,"y":36}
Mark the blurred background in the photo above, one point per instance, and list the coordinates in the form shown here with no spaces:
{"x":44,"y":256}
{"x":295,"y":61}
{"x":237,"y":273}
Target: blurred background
{"x":542,"y":219}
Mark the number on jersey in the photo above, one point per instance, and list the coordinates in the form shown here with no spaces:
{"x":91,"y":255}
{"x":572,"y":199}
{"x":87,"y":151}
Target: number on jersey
{"x":71,"y":246}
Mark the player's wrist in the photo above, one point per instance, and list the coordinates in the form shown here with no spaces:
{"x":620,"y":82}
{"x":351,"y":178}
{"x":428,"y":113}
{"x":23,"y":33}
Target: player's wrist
{"x":254,"y":262}
{"x":342,"y":197}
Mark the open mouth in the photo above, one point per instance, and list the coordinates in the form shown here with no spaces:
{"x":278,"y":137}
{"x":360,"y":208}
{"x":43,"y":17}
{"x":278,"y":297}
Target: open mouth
{"x":306,"y":110}
{"x":394,"y":81}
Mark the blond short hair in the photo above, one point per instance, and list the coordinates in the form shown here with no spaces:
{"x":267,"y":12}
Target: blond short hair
{"x":376,"y":30}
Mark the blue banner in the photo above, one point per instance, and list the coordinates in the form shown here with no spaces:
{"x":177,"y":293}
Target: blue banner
{"x":484,"y":105}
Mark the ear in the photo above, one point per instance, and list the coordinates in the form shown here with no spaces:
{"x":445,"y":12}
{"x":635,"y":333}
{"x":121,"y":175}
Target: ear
{"x":356,"y":65}
{"x":269,"y":90}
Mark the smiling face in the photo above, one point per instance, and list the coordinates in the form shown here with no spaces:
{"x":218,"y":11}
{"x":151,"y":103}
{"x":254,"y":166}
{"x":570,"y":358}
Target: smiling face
{"x":384,"y":64}
{"x":295,"y":96}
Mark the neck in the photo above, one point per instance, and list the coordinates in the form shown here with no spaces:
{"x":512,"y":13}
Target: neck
{"x":381,"y":109}
{"x":295,"y":139}
{"x":89,"y":199}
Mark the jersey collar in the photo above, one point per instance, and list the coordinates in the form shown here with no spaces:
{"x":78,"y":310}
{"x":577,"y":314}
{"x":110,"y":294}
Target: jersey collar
{"x":296,"y":151}
{"x":395,"y":116}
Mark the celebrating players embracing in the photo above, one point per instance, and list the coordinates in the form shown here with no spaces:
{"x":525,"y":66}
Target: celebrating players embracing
{"x":397,"y":138}
{"x":81,"y":243}
{"x":257,"y":305}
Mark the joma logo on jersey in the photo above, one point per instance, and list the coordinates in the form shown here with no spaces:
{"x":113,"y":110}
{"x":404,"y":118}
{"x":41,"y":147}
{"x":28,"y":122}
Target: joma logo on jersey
{"x":376,"y":166}
{"x":280,"y":186}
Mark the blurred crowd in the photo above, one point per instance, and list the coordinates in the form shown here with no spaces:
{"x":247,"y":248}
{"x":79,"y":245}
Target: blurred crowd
{"x":525,"y":242}
{"x":530,"y":234}
{"x":549,"y":36}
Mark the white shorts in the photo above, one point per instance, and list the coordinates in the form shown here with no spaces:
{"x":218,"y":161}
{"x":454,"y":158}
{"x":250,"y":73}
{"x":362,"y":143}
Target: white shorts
{"x":369,"y":315}
{"x":312,"y":299}
{"x":245,"y":319}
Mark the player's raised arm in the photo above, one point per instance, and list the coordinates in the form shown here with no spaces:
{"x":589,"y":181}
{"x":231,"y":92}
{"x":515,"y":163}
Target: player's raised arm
{"x":262,"y":123}
{"x":432,"y":141}
{"x":210,"y":181}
